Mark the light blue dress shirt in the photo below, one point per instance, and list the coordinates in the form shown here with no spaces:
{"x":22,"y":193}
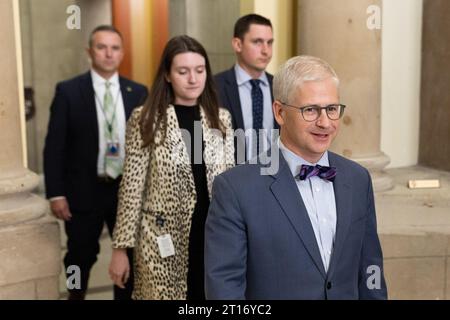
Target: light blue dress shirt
{"x":319,"y":200}
{"x":245,"y":97}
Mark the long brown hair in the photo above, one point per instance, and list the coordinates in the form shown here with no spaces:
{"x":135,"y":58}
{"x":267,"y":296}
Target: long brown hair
{"x":154,"y":113}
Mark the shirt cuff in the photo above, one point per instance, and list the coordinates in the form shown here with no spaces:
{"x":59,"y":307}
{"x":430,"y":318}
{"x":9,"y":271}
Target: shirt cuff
{"x":57,"y":198}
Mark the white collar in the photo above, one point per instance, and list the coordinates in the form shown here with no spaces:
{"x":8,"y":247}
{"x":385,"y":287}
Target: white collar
{"x":242,"y":76}
{"x":99,"y":80}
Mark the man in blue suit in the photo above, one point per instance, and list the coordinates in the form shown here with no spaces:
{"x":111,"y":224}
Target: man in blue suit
{"x":300,"y":224}
{"x":84,"y":151}
{"x":246,"y":89}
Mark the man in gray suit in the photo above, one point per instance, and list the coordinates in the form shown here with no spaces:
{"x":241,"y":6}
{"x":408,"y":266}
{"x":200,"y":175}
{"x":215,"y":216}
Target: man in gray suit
{"x":306,"y":230}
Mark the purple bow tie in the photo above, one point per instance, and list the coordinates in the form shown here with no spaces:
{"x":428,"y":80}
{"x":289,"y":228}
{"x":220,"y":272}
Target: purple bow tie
{"x":327,"y":173}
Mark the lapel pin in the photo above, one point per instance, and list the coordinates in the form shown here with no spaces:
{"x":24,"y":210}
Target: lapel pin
{"x":129,"y":89}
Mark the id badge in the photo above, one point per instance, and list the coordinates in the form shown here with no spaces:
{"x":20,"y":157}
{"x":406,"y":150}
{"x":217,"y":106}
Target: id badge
{"x":112,"y":149}
{"x":165,"y":245}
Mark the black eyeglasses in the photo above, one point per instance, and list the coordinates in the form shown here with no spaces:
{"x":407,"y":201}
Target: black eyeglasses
{"x":313,"y":112}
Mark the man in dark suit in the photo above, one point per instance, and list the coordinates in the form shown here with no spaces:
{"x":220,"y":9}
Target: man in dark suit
{"x":303,"y":226}
{"x":246,"y":89}
{"x":84,"y":152}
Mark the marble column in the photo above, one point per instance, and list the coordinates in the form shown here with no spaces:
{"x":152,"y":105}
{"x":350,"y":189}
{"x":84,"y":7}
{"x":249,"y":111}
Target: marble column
{"x":347,"y":34}
{"x":29,"y":237}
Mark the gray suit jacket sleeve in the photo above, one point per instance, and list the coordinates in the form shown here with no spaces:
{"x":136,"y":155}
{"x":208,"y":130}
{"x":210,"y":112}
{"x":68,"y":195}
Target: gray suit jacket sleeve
{"x":225,"y":244}
{"x":372,"y":284}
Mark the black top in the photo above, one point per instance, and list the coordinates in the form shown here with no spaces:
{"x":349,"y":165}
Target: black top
{"x":187,"y":115}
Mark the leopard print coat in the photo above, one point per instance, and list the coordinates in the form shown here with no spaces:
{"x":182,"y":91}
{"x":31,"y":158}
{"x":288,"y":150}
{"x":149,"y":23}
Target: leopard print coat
{"x":158,"y":185}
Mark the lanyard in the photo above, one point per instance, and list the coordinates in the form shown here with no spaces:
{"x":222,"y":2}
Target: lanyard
{"x":109,"y":123}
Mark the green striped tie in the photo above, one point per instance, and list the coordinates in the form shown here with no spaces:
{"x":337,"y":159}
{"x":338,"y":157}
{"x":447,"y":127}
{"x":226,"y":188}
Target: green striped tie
{"x":113,"y":165}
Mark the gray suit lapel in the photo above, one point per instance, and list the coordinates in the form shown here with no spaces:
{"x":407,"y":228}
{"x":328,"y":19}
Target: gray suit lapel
{"x":286,"y":192}
{"x":343,"y":195}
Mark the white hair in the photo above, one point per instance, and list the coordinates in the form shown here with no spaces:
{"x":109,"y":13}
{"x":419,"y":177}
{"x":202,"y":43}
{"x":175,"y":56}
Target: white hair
{"x":297,"y":70}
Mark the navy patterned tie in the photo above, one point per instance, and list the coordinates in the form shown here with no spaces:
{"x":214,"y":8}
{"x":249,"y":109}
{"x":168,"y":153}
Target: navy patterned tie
{"x":326,"y":173}
{"x":257,"y":109}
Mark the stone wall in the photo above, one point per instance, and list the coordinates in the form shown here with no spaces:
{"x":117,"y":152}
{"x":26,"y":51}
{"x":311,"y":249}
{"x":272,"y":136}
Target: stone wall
{"x":434,"y":147}
{"x":211,"y":23}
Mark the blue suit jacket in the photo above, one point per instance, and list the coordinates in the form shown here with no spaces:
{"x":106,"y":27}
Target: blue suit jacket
{"x":71,"y":145}
{"x":260,"y":243}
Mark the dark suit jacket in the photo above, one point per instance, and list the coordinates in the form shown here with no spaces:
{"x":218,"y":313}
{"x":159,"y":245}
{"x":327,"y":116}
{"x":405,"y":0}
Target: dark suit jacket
{"x":229,"y":98}
{"x":260,"y":244}
{"x":229,"y":95}
{"x":71,"y":145}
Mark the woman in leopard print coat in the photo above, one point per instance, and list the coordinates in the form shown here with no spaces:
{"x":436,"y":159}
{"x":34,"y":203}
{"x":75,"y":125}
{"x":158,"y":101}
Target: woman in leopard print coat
{"x":158,"y":197}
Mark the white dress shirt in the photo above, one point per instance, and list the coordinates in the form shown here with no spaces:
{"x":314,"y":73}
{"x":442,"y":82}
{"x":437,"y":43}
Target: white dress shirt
{"x":318,"y":197}
{"x":245,"y":97}
{"x":99,"y":89}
